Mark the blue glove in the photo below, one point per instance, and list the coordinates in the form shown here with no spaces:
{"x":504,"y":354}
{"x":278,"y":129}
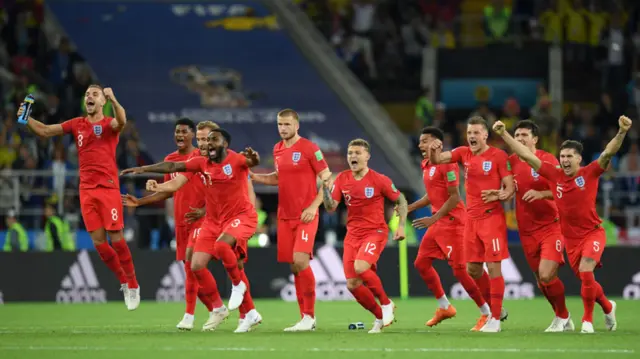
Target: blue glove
{"x":26,"y":109}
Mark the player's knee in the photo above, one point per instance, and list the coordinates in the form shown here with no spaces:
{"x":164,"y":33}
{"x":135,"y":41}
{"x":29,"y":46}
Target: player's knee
{"x":300,"y":262}
{"x":587,"y":265}
{"x":115,"y":236}
{"x":353,"y":283}
{"x":546,"y":275}
{"x":460,"y":272}
{"x":474,"y":270}
{"x":197,"y":265}
{"x":422,"y":264}
{"x":494,"y":269}
{"x":361,"y":267}
{"x":240,"y":264}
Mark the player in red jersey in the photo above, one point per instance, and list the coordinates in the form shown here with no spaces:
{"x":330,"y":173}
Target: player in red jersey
{"x":575,"y":192}
{"x":485,"y":237}
{"x":299,"y":162}
{"x":444,"y":238}
{"x":364,"y":191}
{"x":539,"y":224}
{"x":230,"y":218}
{"x":187,"y":202}
{"x":96,"y":137}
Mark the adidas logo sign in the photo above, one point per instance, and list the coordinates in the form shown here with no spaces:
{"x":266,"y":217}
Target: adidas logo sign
{"x":331,"y":283}
{"x":81,"y":284}
{"x":172,"y":284}
{"x":514,"y":287}
{"x":632,"y":290}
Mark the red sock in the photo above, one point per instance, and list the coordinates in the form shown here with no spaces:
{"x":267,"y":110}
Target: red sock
{"x":470,"y":286}
{"x":208,"y":286}
{"x":110,"y":258}
{"x":208,"y":301}
{"x":588,"y":293}
{"x":247,"y":301}
{"x":543,"y":289}
{"x":365,"y":297}
{"x":242,"y":311}
{"x":554,"y":291}
{"x":484,"y":284}
{"x":126,"y":262}
{"x":229,"y":260}
{"x":299,"y":296}
{"x":190,"y":289}
{"x":497,"y":296}
{"x":308,"y":287}
{"x":373,"y":282}
{"x":601,"y":299}
{"x":429,"y":276}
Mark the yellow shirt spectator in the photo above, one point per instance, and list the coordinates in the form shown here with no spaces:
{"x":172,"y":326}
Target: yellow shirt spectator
{"x":576,"y":26}
{"x":551,"y":21}
{"x":597,"y":22}
{"x":443,"y":39}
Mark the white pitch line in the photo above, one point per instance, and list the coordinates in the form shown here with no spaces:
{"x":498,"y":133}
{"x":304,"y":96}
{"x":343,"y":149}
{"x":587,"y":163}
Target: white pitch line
{"x":322,"y":350}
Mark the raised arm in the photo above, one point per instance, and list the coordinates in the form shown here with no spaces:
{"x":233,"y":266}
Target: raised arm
{"x":270,"y":179}
{"x":614,"y":145}
{"x":162,"y":167}
{"x":42,"y":130}
{"x":436,"y":156}
{"x":168,"y":187}
{"x":131,"y":201}
{"x":421,"y":203}
{"x":521,"y":150}
{"x":252,"y":157}
{"x":121,"y":115}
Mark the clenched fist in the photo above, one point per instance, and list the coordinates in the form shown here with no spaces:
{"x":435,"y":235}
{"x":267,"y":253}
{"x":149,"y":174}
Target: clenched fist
{"x":625,"y":123}
{"x":499,"y":128}
{"x":152,"y":185}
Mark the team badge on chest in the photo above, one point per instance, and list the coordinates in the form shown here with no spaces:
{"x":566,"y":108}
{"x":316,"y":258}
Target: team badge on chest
{"x":226,"y":169}
{"x":368,"y":192}
{"x":486,"y":166}
{"x":97,"y":129}
{"x":432,"y":171}
{"x":534,"y":174}
{"x":580,"y":182}
{"x":295,"y":157}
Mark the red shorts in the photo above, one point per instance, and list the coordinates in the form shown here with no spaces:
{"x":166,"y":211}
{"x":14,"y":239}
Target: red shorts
{"x":591,"y":246}
{"x":544,"y":243}
{"x":101,"y":208}
{"x":295,"y":237}
{"x":485,"y":240}
{"x":443,"y":242}
{"x":367,"y":248}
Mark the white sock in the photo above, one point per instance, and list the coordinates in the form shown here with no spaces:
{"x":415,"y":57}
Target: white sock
{"x":443,"y":302}
{"x":188,"y":317}
{"x":485,"y":310}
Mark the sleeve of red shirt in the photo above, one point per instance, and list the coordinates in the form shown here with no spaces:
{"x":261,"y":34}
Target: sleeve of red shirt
{"x":388,"y":189}
{"x":450,"y":175}
{"x":504,"y":166}
{"x":551,"y":159}
{"x":593,"y":169}
{"x":317,"y":159}
{"x":241,"y":161}
{"x":548,"y":171}
{"x":195,"y":164}
{"x":336,"y":190}
{"x":67,"y":126}
{"x":457,"y":153}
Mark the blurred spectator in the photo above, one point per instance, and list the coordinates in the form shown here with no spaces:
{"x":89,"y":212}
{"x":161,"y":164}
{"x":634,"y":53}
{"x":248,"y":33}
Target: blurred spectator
{"x":615,"y":44}
{"x":497,"y":22}
{"x":510,"y":113}
{"x":16,"y":239}
{"x":576,"y":28}
{"x":443,"y":36}
{"x":424,"y":110}
{"x":56,"y":230}
{"x":484,"y":112}
{"x":551,"y":21}
{"x":415,"y":36}
{"x":362,"y":25}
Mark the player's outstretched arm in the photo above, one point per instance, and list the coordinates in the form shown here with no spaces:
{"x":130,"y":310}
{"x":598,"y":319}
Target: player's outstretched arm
{"x":269,"y":179}
{"x":421,"y":203}
{"x":121,"y":115}
{"x":521,"y":150}
{"x":252,"y":157}
{"x":167,"y":187}
{"x":162,"y":167}
{"x":436,"y":156}
{"x":42,"y":130}
{"x":614,"y":145}
{"x":131,"y":201}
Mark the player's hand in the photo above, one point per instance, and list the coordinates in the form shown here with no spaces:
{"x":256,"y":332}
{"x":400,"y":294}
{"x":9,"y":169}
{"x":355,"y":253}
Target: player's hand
{"x":328,"y":184}
{"x":490,"y":195}
{"x":308,"y":214}
{"x":532,"y":195}
{"x":134,"y":170}
{"x":499,"y":128}
{"x":108,"y":94}
{"x":504,"y":195}
{"x":20,"y":109}
{"x":194,"y":214}
{"x":130,"y":201}
{"x":625,"y":123}
{"x":400,"y":233}
{"x":436,"y":145}
{"x":152,"y":185}
{"x":424,"y":222}
{"x":250,"y":154}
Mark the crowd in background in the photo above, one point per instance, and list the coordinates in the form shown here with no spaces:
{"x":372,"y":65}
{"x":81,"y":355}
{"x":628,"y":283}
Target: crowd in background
{"x":380,"y":40}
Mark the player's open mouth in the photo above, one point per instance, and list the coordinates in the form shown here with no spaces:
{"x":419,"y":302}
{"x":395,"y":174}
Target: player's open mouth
{"x":90,"y":103}
{"x":180,"y":142}
{"x":212,"y":153}
{"x":353,"y":163}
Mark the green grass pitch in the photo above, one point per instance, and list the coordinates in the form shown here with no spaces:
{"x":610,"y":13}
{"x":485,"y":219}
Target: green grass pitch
{"x":42,"y":331}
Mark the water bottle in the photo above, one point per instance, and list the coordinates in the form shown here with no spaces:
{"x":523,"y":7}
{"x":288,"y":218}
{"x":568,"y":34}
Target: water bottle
{"x":26,"y":106}
{"x":356,"y":326}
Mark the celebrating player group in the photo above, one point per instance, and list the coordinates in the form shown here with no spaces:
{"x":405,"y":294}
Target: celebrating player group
{"x":215,"y":214}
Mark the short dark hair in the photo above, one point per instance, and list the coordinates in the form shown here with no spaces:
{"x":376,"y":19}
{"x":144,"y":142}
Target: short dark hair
{"x":433,"y":132}
{"x":478,"y":120}
{"x":96,"y":86}
{"x":186,"y":122}
{"x":529,"y":125}
{"x":574,"y":145}
{"x":226,"y":135}
{"x":360,"y":142}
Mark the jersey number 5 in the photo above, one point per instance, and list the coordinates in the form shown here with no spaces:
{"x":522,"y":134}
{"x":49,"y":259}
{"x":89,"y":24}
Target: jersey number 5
{"x":558,"y":191}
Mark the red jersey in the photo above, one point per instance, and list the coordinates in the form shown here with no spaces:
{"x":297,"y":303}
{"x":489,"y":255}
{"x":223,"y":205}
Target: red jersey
{"x":576,"y":198}
{"x":297,"y":167}
{"x":534,"y":215}
{"x":482,"y":172}
{"x":96,"y":144}
{"x":226,"y":186}
{"x":191,"y":195}
{"x":364,"y":199}
{"x":437,"y":180}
